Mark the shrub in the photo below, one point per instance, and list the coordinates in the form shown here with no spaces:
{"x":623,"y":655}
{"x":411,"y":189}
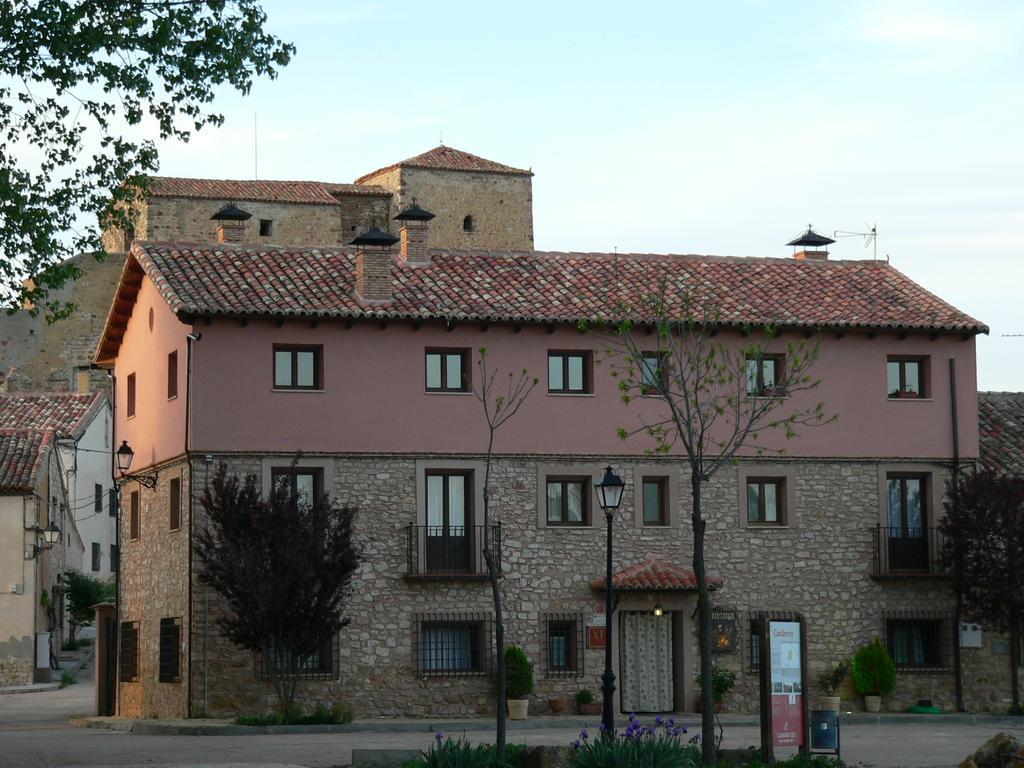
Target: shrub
{"x":661,"y":745}
{"x":874,"y":673}
{"x":584,"y":697}
{"x":722,"y":681}
{"x":832,"y":677}
{"x":338,"y":713}
{"x":518,"y":673}
{"x":448,"y":753}
{"x":66,"y":679}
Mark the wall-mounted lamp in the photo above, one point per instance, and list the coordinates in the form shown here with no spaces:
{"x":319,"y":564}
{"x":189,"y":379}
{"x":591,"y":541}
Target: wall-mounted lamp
{"x":45,"y":538}
{"x":124,"y":456}
{"x":657,"y":610}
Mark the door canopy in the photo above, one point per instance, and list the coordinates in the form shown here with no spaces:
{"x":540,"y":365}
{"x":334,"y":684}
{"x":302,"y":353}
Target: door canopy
{"x":653,"y":575}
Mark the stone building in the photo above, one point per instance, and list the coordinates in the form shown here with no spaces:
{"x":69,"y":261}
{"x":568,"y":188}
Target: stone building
{"x":478,"y":204}
{"x":288,"y":352}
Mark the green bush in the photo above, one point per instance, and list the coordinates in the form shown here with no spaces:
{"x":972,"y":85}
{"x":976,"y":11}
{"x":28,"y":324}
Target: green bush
{"x":874,"y":673}
{"x":337,"y":714}
{"x":584,"y":697}
{"x":66,"y":679}
{"x":446,"y":753}
{"x":722,"y":681}
{"x":518,"y":673}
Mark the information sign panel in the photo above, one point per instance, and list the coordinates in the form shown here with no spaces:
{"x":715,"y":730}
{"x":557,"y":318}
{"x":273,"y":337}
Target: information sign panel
{"x":786,"y":686}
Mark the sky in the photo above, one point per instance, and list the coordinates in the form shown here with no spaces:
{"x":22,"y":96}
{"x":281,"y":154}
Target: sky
{"x":680,"y":127}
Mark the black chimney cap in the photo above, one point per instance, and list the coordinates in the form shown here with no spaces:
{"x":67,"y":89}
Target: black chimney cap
{"x":414,"y":213}
{"x":231,"y":212}
{"x":811,"y":238}
{"x":374,"y":236}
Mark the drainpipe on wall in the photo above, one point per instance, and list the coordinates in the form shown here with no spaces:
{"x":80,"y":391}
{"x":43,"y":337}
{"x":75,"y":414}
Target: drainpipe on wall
{"x":957,"y":662}
{"x":189,"y":339}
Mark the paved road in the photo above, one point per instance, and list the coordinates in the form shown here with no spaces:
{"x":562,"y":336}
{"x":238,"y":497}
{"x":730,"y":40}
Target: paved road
{"x":34,"y":733}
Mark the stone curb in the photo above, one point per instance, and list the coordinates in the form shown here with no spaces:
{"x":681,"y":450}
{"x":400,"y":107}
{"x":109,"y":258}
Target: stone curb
{"x":34,"y":688}
{"x":207,"y":728}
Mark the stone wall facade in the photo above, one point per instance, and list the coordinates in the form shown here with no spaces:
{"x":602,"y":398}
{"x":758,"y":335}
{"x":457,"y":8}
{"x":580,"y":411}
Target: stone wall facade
{"x":154,"y":585}
{"x":819,"y":564}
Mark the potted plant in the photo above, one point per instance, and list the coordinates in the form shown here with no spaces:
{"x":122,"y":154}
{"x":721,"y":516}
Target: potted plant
{"x":586,"y":705}
{"x":874,"y":674}
{"x":518,"y":682}
{"x":722,"y":681}
{"x":558,"y":705}
{"x":830,"y":679}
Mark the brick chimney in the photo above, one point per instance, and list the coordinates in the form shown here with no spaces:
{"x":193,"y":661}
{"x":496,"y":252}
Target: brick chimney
{"x":811,"y":245}
{"x":373,"y":265}
{"x":412,"y":236}
{"x":231,"y":223}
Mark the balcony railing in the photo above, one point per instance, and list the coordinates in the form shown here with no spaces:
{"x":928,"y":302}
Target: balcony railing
{"x":451,"y":551}
{"x":908,"y":552}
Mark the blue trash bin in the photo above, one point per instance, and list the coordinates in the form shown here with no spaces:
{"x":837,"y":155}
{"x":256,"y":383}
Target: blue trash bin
{"x":825,"y":730}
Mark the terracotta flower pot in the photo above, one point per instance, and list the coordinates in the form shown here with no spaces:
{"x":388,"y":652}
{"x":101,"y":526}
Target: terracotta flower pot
{"x":830,"y":703}
{"x":872,"y":703}
{"x":593,"y":708}
{"x":558,"y":705}
{"x":517,"y":708}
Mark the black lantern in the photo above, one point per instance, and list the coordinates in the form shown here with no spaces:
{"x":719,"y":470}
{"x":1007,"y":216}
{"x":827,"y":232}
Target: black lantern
{"x":125,"y":454}
{"x":609,"y":491}
{"x":51,"y":534}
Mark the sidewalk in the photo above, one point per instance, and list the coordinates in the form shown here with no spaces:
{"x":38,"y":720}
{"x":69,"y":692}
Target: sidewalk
{"x":226,"y":727}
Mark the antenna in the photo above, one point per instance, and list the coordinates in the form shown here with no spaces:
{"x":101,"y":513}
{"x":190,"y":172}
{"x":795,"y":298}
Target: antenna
{"x":255,"y":149}
{"x":441,"y":138}
{"x":870,"y":237}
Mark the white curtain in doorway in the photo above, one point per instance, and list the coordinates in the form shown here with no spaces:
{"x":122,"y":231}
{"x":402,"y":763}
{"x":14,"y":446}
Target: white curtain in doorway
{"x":645,"y":662}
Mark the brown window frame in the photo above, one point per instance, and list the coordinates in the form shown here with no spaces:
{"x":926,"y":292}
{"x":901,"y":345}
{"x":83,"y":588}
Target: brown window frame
{"x":663,"y":485}
{"x":572,"y":624}
{"x":780,"y":500}
{"x":443,"y":353}
{"x":923,"y":375}
{"x":134,"y":516}
{"x":128,"y":652}
{"x":588,"y":371}
{"x":480,"y":651}
{"x":659,"y":357}
{"x":172,"y":375}
{"x":564,"y":480}
{"x":925,"y":479}
{"x":941,"y":628}
{"x":169,"y":666}
{"x":276,"y":473}
{"x":778,"y":361}
{"x":294,"y":349}
{"x":174,"y":504}
{"x":130,"y":385}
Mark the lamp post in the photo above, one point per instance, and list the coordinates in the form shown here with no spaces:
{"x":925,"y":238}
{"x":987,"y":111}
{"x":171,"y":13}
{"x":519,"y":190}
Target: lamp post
{"x":609,"y":495}
{"x":124,"y":456}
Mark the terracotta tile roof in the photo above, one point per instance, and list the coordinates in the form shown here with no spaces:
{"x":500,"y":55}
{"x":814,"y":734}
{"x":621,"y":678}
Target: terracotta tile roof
{"x":444,"y":158}
{"x":653,"y":575}
{"x":306,"y":192}
{"x":67,"y":414}
{"x":21,"y":458}
{"x":1001,"y":428}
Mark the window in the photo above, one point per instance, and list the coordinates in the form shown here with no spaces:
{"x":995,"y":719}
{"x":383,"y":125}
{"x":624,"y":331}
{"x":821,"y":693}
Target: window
{"x":95,"y":556}
{"x":113,"y":557}
{"x":133,"y":515}
{"x":447,"y":370}
{"x":906,"y":504}
{"x":453,"y":645}
{"x":314,"y":666}
{"x":128,"y":653}
{"x":652,"y":371}
{"x":766,"y":500}
{"x":298,"y":367}
{"x":170,"y":650}
{"x":304,"y":483}
{"x":266,"y":227}
{"x":564,"y":647}
{"x":568,"y":500}
{"x":174,"y":496}
{"x":130,"y":398}
{"x":97,"y":502}
{"x":449,"y":530}
{"x":755,"y":645}
{"x":172,"y":375}
{"x":468,"y":225}
{"x":917,"y":644}
{"x":905,"y":377}
{"x":569,"y":373}
{"x":655,"y":503}
{"x":112,"y":501}
{"x":764,"y":374}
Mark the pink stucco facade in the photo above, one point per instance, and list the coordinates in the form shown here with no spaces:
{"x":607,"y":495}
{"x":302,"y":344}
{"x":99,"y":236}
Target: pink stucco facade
{"x":373,"y":398}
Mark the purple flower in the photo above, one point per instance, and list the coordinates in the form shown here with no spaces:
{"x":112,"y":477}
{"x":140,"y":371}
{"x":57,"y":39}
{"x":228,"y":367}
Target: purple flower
{"x":683,"y":727}
{"x":658,"y":720}
{"x":632,"y":717}
{"x":584,"y":735}
{"x":576,"y":744}
{"x":439,"y":736}
{"x":601,"y":727}
{"x":671,"y":722}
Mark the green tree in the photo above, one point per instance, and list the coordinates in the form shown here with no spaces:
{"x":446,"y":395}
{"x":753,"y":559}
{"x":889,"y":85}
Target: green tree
{"x":83,"y":593}
{"x":84,"y":85}
{"x":708,"y":400}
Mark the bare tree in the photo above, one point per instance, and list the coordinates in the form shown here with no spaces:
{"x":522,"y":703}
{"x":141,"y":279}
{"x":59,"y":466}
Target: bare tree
{"x":500,"y":404}
{"x":283,"y":566}
{"x":716,"y":398}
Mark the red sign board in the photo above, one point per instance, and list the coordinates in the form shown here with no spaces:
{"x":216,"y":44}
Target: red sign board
{"x":786,"y":681}
{"x":597,"y":637}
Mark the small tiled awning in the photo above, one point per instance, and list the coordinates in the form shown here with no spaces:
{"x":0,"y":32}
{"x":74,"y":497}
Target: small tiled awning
{"x":653,"y":575}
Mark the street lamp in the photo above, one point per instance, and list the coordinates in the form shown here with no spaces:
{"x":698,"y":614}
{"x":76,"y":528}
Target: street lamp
{"x":609,"y":495}
{"x":45,"y":538}
{"x":124,"y":456}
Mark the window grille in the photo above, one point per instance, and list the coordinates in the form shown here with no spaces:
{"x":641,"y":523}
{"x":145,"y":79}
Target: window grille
{"x":453,"y":644}
{"x":563,"y":646}
{"x":170,"y":650}
{"x":128,"y":660}
{"x":919,"y":641}
{"x":321,"y":665}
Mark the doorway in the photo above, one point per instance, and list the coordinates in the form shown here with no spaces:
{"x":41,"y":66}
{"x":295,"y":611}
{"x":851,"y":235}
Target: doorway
{"x":648,"y":661}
